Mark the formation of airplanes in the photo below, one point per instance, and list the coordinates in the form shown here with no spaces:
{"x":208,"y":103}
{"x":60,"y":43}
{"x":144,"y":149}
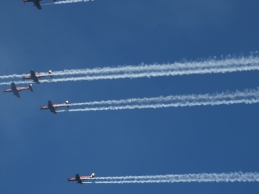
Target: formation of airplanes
{"x":80,"y":179}
{"x":35,"y":77}
{"x":36,"y":2}
{"x":52,"y":107}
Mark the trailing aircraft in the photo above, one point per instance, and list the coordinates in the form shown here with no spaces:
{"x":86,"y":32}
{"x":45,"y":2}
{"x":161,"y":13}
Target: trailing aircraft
{"x":52,"y":107}
{"x":16,"y":90}
{"x":35,"y":77}
{"x":36,"y":2}
{"x":79,"y":179}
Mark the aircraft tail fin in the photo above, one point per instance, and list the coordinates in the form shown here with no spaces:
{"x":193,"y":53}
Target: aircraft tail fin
{"x":66,"y":102}
{"x":30,"y":87}
{"x":49,"y":72}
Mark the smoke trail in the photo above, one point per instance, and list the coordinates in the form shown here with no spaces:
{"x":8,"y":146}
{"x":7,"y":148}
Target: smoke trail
{"x":227,"y":98}
{"x":136,"y":75}
{"x":12,"y":76}
{"x":247,"y":94}
{"x":186,"y":68}
{"x":131,"y":107}
{"x":182,"y":176}
{"x":203,"y":177}
{"x":16,"y":82}
{"x":207,"y":66}
{"x":67,"y":1}
{"x":71,"y":1}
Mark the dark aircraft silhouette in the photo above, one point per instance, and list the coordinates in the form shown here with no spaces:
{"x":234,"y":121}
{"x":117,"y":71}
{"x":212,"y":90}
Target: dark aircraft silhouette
{"x":36,"y":2}
{"x":16,"y":90}
{"x":35,"y":77}
{"x":80,"y":179}
{"x":52,"y":107}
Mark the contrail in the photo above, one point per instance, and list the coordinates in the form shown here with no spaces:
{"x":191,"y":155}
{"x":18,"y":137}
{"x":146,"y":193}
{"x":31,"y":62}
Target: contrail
{"x":67,"y":1}
{"x":12,"y":76}
{"x":131,"y":107}
{"x":184,"y":178}
{"x":72,"y":1}
{"x":207,"y":66}
{"x":226,"y":98}
{"x":179,"y":176}
{"x":155,"y":70}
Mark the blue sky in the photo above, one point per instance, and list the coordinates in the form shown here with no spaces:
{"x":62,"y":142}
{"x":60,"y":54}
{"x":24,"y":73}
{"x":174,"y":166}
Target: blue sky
{"x":40,"y":150}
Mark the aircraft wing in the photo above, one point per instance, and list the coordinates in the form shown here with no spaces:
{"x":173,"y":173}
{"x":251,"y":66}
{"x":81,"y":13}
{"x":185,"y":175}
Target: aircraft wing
{"x":51,"y":107}
{"x":53,"y":111}
{"x":50,"y":103}
{"x":77,"y":177}
{"x":37,"y":3}
{"x":16,"y":93}
{"x":13,"y":86}
{"x":36,"y":80}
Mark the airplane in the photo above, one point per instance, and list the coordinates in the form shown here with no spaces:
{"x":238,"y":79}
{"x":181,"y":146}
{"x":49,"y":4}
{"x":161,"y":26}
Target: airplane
{"x":52,"y":107}
{"x":79,"y":179}
{"x":35,"y":77}
{"x":16,"y":90}
{"x":36,"y":2}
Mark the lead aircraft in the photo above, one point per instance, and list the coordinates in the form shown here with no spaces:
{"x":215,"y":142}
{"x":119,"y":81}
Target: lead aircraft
{"x":36,"y":2}
{"x":16,"y":90}
{"x":80,"y":179}
{"x":35,"y":77}
{"x":52,"y":107}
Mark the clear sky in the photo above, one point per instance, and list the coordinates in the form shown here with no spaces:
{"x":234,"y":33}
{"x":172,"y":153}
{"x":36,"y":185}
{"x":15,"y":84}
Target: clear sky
{"x":39,"y":150}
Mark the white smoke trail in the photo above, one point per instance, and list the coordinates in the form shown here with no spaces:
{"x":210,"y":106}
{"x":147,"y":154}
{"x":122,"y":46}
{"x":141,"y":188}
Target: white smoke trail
{"x":12,"y":76}
{"x":203,"y":177}
{"x":207,"y":66}
{"x":247,"y":94}
{"x":155,"y":106}
{"x":181,"y":176}
{"x":227,"y":98}
{"x":67,"y":1}
{"x":16,"y":82}
{"x":186,"y":68}
{"x":133,"y":75}
{"x":71,"y":1}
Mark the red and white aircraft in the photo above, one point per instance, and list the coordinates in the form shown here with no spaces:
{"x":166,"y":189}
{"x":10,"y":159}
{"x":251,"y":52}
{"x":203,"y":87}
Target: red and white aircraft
{"x":16,"y":90}
{"x":35,"y":77}
{"x":52,"y":107}
{"x":36,"y":2}
{"x":79,"y":179}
